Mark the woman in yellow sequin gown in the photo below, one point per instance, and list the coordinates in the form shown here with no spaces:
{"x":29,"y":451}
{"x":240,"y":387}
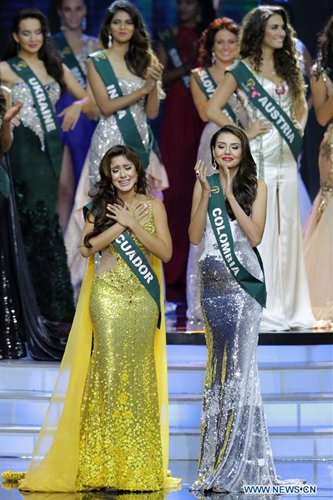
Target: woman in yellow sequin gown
{"x":106,"y":426}
{"x":120,"y":433}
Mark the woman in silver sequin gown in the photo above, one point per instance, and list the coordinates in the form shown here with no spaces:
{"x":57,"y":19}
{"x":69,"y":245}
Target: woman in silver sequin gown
{"x":138,"y":73}
{"x":235,"y":449}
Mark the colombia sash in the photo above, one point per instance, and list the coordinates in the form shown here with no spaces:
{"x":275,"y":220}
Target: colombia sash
{"x":68,"y":57}
{"x":220,"y":223}
{"x":44,"y":109}
{"x":170,"y":44}
{"x":258,"y":96}
{"x":125,"y":120}
{"x":137,"y":262}
{"x":208,"y":87}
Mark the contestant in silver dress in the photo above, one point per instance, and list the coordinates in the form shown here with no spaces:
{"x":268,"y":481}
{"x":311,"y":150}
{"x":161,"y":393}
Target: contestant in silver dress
{"x":229,"y":212}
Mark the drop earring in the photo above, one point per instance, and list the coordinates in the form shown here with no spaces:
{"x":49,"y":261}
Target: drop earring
{"x":215,"y":165}
{"x":110,"y":41}
{"x":213,"y":57}
{"x":84,"y":24}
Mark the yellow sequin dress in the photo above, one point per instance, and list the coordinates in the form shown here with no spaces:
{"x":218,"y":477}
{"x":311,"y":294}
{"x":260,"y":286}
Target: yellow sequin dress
{"x":120,"y":441}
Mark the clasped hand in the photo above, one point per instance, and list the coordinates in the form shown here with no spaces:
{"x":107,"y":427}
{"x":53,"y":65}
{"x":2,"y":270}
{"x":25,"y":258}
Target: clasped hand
{"x":127,"y":215}
{"x":154,"y":74}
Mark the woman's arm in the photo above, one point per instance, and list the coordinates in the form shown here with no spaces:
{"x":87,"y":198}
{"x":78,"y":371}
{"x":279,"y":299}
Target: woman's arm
{"x":199,"y":98}
{"x":6,"y":134}
{"x":84,"y":103}
{"x":219,"y":99}
{"x":100,"y":241}
{"x":154,"y":74}
{"x":323,"y":104}
{"x":301,"y":116}
{"x":200,"y":201}
{"x":110,"y":106}
{"x":252,"y":226}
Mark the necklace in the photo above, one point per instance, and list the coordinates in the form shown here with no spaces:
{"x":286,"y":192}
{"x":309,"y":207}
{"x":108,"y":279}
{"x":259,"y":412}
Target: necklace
{"x":280,"y":89}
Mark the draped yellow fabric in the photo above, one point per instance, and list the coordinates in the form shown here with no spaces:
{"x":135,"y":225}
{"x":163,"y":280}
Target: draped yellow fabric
{"x":54,"y":465}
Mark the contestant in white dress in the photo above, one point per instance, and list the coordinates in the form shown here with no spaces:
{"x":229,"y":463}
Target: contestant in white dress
{"x":269,"y":75}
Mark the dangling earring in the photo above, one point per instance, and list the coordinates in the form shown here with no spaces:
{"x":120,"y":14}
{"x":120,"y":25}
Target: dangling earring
{"x":62,"y":26}
{"x":110,"y":41}
{"x":215,"y":165}
{"x":213,"y":57}
{"x":84,"y":24}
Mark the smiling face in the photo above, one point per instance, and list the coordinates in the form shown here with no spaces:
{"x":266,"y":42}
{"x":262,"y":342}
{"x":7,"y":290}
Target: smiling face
{"x":225,"y":46}
{"x":275,"y":32}
{"x":121,"y":27}
{"x":29,"y":36}
{"x":124,"y":175}
{"x":228,"y":150}
{"x":72,"y":13}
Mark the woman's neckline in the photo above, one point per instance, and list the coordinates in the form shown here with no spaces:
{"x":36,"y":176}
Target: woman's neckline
{"x":277,"y":84}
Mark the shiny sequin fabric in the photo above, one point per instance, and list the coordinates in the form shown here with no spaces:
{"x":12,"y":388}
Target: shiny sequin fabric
{"x":120,"y":445}
{"x":28,"y":114}
{"x":235,"y":447}
{"x":107,"y":133}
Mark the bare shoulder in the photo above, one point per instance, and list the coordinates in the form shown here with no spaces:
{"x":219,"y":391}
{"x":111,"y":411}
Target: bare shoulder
{"x":262,"y":185}
{"x":7,"y":75}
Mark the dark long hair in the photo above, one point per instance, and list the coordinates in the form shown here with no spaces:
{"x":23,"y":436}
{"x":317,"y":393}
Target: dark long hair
{"x":245,"y":181}
{"x":285,"y":59}
{"x":325,"y":49}
{"x":47,"y":52}
{"x":139,"y":54}
{"x":206,"y":41}
{"x":104,"y":191}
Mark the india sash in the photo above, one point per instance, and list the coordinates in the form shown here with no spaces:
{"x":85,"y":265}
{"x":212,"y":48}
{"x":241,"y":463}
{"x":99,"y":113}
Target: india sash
{"x":125,"y":120}
{"x":258,"y":96}
{"x":218,"y":216}
{"x":44,"y":109}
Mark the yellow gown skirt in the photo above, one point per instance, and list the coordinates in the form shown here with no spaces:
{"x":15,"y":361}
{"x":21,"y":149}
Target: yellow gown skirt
{"x":120,"y":437}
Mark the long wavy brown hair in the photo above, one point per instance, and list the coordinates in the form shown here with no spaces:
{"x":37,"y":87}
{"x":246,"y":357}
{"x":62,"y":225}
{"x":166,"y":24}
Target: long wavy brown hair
{"x":245,"y":182}
{"x":206,"y":41}
{"x":325,"y":49}
{"x":285,"y":59}
{"x":105,"y":193}
{"x":139,"y":54}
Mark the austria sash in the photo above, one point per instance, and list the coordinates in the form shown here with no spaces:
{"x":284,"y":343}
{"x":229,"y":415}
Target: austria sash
{"x":137,"y":262}
{"x":218,"y":216}
{"x":208,"y":87}
{"x":68,"y":58}
{"x":258,"y":96}
{"x":44,"y":109}
{"x":125,"y":120}
{"x":170,"y":44}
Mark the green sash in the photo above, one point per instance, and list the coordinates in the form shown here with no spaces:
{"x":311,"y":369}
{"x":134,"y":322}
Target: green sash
{"x":125,"y":120}
{"x":208,"y":87}
{"x":137,"y":262}
{"x":258,"y":96}
{"x":68,"y":57}
{"x":170,"y":44}
{"x":220,"y":223}
{"x":44,"y":109}
{"x":4,"y":182}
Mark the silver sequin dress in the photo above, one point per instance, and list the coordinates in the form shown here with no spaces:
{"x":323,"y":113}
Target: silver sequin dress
{"x":235,"y":448}
{"x":107,"y":134}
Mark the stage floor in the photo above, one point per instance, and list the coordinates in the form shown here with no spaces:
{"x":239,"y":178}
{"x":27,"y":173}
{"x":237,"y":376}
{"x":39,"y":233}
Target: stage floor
{"x":315,"y":472}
